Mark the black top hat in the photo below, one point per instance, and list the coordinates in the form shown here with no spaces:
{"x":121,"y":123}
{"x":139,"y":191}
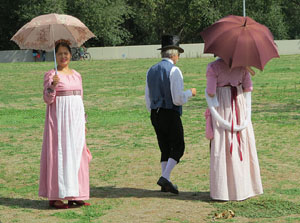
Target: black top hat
{"x":170,"y":42}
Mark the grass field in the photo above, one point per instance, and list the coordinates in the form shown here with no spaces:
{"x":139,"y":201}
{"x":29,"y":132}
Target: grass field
{"x":125,"y":165}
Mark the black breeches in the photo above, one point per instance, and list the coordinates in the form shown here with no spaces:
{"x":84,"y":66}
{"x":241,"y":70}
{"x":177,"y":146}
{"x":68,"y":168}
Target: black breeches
{"x":169,"y":131}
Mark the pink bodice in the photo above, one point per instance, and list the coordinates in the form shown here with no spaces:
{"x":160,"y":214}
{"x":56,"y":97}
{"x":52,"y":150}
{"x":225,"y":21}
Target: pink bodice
{"x":218,"y":74}
{"x":66,"y":83}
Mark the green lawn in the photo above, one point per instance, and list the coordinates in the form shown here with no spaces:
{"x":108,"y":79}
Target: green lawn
{"x":125,"y":165}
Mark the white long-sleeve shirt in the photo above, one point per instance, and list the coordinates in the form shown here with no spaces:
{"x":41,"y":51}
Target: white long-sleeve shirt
{"x":179,"y":96}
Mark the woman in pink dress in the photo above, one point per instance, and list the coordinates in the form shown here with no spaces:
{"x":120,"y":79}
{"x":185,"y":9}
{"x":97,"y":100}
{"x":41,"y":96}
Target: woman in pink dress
{"x":234,"y":167}
{"x":64,"y":168}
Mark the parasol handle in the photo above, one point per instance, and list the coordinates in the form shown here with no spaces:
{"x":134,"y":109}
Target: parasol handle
{"x":54,"y":52}
{"x":55,"y":61}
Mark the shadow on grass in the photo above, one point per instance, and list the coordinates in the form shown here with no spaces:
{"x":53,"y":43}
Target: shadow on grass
{"x":108,"y":192}
{"x":24,"y":203}
{"x":115,"y":192}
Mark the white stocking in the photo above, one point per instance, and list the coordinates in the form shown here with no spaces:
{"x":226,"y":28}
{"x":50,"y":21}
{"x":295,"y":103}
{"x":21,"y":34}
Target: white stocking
{"x":170,"y":165}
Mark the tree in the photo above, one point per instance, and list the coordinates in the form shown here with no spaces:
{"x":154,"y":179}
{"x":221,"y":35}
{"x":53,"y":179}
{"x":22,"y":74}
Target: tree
{"x":123,"y":22}
{"x":15,"y":14}
{"x":104,"y":18}
{"x":151,"y":19}
{"x":144,"y":21}
{"x":27,"y":10}
{"x":291,"y":11}
{"x":200,"y":14}
{"x":269,"y":13}
{"x":266,"y":12}
{"x":9,"y":24}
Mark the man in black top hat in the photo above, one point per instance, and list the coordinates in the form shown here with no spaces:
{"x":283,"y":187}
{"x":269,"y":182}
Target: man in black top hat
{"x":165,"y":95}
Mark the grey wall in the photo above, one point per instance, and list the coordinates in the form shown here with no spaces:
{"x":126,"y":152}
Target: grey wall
{"x":21,"y":56}
{"x":285,"y":47}
{"x":149,"y":51}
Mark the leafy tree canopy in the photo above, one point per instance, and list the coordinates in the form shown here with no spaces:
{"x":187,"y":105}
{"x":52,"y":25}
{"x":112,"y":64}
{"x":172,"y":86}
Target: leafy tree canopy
{"x":131,"y":22}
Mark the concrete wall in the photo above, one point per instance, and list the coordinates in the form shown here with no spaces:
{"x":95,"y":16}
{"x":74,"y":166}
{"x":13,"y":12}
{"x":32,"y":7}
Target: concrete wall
{"x":288,"y":47}
{"x":21,"y":56}
{"x":146,"y":51}
{"x":285,"y":47}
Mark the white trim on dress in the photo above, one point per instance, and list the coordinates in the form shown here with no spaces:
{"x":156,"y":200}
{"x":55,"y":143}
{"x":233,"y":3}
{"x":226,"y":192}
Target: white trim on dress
{"x":71,"y":139}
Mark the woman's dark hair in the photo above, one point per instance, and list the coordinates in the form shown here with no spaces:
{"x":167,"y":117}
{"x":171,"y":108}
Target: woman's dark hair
{"x":64,"y":44}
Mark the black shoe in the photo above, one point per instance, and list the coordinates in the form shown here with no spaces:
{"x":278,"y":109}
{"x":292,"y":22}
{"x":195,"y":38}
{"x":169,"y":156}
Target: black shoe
{"x":163,"y":189}
{"x":169,"y":187}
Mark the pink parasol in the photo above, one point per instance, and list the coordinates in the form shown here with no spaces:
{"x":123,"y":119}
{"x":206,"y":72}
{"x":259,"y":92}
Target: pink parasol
{"x":240,"y":41}
{"x":43,"y":31}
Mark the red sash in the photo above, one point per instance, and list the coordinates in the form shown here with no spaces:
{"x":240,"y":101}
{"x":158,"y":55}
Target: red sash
{"x":234,"y":100}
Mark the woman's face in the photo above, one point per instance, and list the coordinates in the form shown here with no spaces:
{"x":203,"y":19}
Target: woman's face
{"x":63,"y":56}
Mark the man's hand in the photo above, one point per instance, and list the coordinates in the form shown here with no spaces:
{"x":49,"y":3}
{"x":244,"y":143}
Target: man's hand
{"x":193,"y":91}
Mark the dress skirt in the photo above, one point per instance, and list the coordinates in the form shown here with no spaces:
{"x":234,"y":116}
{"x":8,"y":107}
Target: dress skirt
{"x":230,"y":177}
{"x":65,"y":157}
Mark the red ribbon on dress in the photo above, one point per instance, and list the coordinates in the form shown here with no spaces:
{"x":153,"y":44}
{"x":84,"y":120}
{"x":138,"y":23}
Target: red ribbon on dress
{"x":234,"y":100}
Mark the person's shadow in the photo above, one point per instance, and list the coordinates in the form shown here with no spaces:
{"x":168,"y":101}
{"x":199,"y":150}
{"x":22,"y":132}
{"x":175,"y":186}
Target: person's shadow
{"x":118,"y":192}
{"x":108,"y":192}
{"x":24,"y":203}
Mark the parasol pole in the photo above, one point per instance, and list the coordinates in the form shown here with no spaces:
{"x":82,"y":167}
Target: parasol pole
{"x":54,"y":52}
{"x":244,"y":8}
{"x":55,"y":61}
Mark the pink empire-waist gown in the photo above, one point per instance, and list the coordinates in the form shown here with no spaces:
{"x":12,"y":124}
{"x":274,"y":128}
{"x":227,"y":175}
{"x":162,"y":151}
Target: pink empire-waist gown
{"x":236,"y":175}
{"x":64,"y":167}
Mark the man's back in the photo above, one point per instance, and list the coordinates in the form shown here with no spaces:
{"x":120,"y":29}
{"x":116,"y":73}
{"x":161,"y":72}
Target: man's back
{"x":158,"y":80}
